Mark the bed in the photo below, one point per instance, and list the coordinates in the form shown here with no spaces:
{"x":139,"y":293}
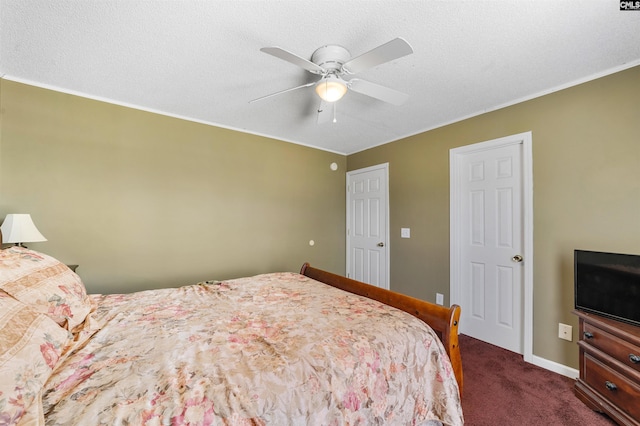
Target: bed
{"x":281,"y":348}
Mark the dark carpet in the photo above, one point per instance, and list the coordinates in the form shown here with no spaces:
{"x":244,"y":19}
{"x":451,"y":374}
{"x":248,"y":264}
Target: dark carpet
{"x":500,"y":389}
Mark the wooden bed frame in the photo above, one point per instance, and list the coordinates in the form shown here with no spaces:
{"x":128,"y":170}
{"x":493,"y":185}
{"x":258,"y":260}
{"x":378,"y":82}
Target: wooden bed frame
{"x":443,"y":320}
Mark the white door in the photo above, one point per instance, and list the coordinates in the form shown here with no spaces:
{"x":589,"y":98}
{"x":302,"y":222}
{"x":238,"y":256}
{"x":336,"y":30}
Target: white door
{"x":489,"y":245}
{"x":367,"y":225}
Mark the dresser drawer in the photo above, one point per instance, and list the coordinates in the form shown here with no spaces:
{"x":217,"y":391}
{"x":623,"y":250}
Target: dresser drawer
{"x":622,"y":392}
{"x":623,"y":351}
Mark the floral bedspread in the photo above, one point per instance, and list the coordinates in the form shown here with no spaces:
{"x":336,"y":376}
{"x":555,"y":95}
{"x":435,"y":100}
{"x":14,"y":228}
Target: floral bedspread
{"x":277,"y":349}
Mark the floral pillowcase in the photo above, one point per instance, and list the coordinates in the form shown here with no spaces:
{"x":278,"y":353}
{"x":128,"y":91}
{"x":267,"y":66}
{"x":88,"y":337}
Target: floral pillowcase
{"x":30,"y":346}
{"x":44,"y":284}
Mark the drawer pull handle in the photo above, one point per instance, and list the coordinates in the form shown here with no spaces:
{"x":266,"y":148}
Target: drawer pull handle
{"x":634,"y":358}
{"x":588,"y":335}
{"x":610,"y":386}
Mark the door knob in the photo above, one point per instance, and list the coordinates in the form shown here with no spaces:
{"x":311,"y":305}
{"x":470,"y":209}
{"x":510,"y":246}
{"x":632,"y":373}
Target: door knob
{"x":380,"y":244}
{"x":517,"y":258}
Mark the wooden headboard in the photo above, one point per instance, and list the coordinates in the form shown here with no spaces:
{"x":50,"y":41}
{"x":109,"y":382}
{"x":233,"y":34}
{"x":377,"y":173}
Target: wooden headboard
{"x":443,"y":320}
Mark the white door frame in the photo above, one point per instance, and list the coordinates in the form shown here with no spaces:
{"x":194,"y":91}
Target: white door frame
{"x":385,"y":168}
{"x":455,"y":158}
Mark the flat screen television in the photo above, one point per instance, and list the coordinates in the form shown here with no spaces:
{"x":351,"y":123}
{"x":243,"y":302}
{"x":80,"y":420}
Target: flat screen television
{"x":608,"y":284}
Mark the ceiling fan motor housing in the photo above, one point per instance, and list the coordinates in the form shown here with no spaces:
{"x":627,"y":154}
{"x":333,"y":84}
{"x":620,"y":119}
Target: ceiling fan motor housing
{"x":330,"y":57}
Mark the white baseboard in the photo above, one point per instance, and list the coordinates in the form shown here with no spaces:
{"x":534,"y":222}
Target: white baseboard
{"x":572,"y":373}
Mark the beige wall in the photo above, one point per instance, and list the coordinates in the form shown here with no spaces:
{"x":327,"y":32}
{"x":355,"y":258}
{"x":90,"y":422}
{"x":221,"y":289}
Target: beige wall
{"x":141,"y":200}
{"x":109,"y":187}
{"x":586,"y":167}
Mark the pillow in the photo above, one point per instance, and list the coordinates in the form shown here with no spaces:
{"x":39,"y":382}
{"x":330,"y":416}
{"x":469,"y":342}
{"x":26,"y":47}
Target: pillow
{"x":45,"y":284}
{"x":30,"y":345}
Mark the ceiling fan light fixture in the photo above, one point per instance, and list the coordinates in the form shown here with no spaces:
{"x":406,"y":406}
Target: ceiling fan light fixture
{"x":331,"y":88}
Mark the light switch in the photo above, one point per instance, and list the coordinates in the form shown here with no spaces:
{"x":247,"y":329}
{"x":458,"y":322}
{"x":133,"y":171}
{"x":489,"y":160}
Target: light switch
{"x":405,"y":232}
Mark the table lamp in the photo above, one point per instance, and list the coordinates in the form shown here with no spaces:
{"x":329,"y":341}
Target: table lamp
{"x":18,"y":229}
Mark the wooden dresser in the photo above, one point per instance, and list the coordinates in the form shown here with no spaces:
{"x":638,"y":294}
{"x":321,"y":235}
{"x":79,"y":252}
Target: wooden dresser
{"x":609,"y":379}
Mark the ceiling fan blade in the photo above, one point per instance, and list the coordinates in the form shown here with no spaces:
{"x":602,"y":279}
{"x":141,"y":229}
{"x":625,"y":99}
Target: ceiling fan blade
{"x":379,"y":92}
{"x":394,"y":49}
{"x":283,"y":91}
{"x":285,"y":55}
{"x":326,"y":112}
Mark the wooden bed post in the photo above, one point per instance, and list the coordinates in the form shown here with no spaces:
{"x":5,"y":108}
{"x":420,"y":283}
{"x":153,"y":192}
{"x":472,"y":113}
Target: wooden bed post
{"x":443,"y":320}
{"x":452,"y":345}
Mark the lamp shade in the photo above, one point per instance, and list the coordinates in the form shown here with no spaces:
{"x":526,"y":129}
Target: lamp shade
{"x":331,"y":88}
{"x":19,"y":228}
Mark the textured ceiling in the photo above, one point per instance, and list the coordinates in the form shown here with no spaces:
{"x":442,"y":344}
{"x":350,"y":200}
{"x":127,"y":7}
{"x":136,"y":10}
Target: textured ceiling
{"x":201,"y":60}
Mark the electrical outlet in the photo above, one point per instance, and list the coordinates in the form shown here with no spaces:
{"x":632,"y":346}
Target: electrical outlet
{"x":439,"y":299}
{"x":565,"y":332}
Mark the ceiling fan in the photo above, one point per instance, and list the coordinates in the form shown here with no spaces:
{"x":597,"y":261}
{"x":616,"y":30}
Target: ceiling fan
{"x":333,"y":63}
